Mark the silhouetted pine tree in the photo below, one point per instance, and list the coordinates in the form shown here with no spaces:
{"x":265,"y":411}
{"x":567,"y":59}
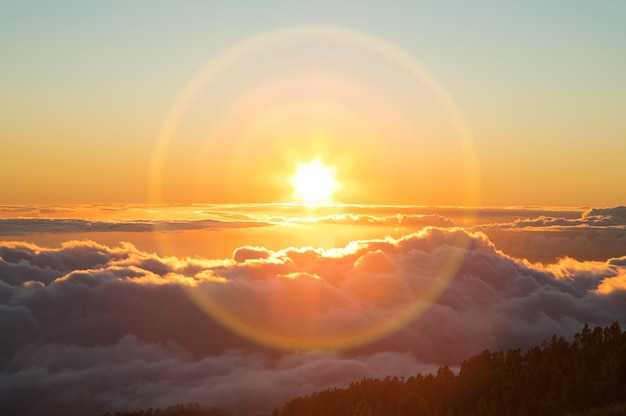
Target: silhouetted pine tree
{"x":556,"y":378}
{"x":584,"y":378}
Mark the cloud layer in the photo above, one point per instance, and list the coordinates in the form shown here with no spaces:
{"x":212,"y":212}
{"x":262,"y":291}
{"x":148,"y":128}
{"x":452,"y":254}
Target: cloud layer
{"x":22,"y":226}
{"x":596,"y":234}
{"x":92,"y":328}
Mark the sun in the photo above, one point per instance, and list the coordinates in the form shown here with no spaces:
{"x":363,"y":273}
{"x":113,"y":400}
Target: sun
{"x":314,"y":182}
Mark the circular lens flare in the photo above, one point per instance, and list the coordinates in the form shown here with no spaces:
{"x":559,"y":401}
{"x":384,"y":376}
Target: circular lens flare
{"x":314,"y":182}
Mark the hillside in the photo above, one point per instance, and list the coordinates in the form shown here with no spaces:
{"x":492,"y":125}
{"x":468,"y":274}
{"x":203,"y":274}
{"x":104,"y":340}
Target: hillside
{"x":555,"y":378}
{"x":586,"y":377}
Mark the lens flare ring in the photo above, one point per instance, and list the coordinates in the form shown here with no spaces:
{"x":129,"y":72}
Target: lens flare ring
{"x":295,"y":339}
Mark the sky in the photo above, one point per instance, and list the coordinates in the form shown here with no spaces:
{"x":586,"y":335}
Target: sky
{"x":239,"y":203}
{"x":90,"y":92}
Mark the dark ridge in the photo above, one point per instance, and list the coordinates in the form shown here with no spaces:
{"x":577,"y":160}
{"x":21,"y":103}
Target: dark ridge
{"x":586,"y":377}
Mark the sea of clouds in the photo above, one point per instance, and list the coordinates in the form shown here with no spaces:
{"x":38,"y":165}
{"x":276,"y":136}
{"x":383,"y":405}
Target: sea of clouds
{"x":88,"y":328}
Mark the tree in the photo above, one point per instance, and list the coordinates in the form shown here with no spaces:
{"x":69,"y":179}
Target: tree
{"x":412,"y":405}
{"x":363,"y":409}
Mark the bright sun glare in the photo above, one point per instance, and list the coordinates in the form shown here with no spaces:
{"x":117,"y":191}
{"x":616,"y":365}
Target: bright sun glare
{"x":314,"y":182}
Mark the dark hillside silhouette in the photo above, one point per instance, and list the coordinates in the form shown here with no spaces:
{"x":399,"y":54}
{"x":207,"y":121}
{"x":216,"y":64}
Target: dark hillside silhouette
{"x":586,"y":377}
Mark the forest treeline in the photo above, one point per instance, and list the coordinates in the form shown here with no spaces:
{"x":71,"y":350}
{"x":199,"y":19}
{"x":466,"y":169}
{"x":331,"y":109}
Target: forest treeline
{"x":586,"y":377}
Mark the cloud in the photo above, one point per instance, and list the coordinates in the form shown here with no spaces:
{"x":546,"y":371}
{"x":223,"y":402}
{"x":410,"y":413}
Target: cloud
{"x":616,"y":215}
{"x":397,"y":220}
{"x":89,"y":328}
{"x":537,"y":234}
{"x":23,"y":226}
{"x":596,"y":234}
{"x":547,"y":246}
{"x":594,"y":217}
{"x":131,"y":374}
{"x":242,"y":254}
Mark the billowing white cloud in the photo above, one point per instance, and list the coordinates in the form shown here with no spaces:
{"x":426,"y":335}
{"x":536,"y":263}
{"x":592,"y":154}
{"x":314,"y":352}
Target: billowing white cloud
{"x":116,"y":328}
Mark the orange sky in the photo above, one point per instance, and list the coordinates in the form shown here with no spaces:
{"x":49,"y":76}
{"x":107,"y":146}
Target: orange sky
{"x":414,"y":117}
{"x":151,"y":203}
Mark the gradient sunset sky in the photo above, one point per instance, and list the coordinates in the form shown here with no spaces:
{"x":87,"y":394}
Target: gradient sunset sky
{"x":457,"y":167}
{"x":88,"y":90}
